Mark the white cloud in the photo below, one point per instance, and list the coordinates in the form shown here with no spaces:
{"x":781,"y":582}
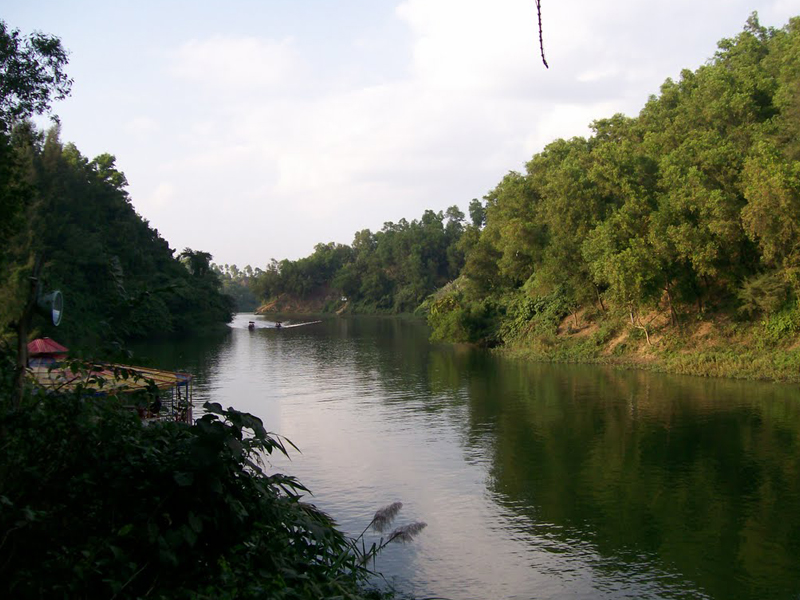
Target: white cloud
{"x":246,"y":125}
{"x":475,"y":102}
{"x":607,"y":72}
{"x":786,"y":8}
{"x":232,"y":64}
{"x":485,"y":47}
{"x":162,"y":196}
{"x":142,"y":126}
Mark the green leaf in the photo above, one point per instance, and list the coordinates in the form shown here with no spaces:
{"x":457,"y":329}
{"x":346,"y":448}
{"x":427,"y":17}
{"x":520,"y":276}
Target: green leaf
{"x":195,"y":523}
{"x":214,"y":408}
{"x":184,"y":478}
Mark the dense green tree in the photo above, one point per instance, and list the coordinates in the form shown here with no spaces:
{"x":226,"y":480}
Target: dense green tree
{"x":691,"y":205}
{"x":197,"y":261}
{"x":477,"y":213}
{"x":119,"y":276}
{"x":32,"y":77}
{"x":621,"y":258}
{"x":392,"y":270}
{"x":32,"y":74}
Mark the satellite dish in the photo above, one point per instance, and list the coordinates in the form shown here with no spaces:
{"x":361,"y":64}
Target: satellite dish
{"x":52,"y":305}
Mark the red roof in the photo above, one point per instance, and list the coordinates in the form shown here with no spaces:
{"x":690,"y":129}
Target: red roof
{"x":45,"y":346}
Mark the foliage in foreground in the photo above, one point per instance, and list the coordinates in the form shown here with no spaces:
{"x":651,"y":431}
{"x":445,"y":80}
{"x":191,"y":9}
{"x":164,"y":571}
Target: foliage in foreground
{"x":95,"y":504}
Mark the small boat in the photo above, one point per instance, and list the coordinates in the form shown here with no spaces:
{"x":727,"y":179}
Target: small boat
{"x":278,"y":324}
{"x":292,"y":325}
{"x":251,"y":325}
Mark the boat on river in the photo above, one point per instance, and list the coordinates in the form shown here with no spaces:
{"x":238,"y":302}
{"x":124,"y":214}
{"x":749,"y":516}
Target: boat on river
{"x":279,"y":325}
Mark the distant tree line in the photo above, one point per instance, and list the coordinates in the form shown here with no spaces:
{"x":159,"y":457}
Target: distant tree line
{"x":237,"y":284}
{"x":392,"y":270}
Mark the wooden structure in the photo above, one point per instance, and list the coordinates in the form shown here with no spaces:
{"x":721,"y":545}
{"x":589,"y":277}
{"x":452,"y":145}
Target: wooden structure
{"x":44,"y":351}
{"x":154,"y":393}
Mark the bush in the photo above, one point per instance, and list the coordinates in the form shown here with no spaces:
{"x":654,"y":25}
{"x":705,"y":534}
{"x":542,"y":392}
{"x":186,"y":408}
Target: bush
{"x":764,"y":293}
{"x":534,"y":314}
{"x":783,"y":323}
{"x":95,"y":504}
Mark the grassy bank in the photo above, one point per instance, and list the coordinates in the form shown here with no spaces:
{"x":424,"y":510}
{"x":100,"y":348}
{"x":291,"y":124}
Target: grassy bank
{"x":709,"y":347}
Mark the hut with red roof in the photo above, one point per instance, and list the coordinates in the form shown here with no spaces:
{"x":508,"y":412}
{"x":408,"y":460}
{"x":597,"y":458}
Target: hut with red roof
{"x":44,"y":352}
{"x":174,"y":389}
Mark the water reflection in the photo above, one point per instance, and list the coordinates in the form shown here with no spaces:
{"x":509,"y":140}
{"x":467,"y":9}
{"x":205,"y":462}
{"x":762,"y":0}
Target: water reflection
{"x":536,"y":480}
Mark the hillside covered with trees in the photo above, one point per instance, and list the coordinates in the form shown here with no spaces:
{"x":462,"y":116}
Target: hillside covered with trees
{"x":693,"y":203}
{"x":120,"y":278}
{"x":95,"y":503}
{"x":688,"y":212}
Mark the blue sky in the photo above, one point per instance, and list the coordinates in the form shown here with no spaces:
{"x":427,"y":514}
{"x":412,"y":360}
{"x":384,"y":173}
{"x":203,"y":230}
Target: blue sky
{"x":254,"y":130}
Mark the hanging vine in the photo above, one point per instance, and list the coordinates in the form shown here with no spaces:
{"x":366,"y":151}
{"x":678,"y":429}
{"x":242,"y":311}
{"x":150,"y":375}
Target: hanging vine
{"x":541,"y":40}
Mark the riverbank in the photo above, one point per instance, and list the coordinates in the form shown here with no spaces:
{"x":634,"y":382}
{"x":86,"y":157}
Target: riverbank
{"x":709,"y":347}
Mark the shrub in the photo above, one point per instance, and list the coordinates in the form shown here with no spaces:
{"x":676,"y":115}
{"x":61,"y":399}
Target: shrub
{"x":783,"y":323}
{"x":539,"y":314}
{"x":95,"y":504}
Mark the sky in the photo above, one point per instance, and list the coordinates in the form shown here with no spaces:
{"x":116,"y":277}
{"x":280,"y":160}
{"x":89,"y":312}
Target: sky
{"x":256,"y":129}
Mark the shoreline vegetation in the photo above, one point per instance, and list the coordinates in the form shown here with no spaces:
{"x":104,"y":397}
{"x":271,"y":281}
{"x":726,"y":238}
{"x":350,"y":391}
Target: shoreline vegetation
{"x":707,"y":347}
{"x":98,"y":503}
{"x":667,"y":241}
{"x":95,"y":502}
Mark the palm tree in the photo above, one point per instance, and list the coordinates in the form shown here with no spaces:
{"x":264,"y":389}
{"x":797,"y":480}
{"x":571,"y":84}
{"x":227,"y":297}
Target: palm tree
{"x":197,"y":261}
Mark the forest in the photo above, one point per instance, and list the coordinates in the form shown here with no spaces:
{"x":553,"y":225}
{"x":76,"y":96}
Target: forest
{"x":94,"y":501}
{"x":119,"y":277}
{"x":692,"y":206}
{"x":688,"y":211}
{"x":654,"y":226}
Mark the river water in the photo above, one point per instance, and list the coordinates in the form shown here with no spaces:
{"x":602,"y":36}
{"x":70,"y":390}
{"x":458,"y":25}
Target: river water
{"x":535,"y":481}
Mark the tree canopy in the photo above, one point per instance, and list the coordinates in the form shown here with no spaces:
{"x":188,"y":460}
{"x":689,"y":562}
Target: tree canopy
{"x":689,"y":205}
{"x":31,"y":74}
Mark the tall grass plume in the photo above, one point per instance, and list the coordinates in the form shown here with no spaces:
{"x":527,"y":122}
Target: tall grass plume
{"x":406,"y":533}
{"x":384,"y":516}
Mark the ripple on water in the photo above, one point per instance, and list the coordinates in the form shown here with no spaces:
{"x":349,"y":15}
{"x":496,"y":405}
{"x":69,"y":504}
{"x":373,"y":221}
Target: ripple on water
{"x":536,"y":481}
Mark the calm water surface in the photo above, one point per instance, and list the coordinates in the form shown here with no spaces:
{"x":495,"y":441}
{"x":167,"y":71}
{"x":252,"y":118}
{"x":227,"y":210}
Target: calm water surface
{"x":536,"y":481}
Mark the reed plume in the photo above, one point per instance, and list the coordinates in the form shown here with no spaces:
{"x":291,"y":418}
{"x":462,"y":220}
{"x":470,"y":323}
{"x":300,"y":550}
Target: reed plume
{"x":380,"y":522}
{"x":384,"y":516}
{"x":406,"y":533}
